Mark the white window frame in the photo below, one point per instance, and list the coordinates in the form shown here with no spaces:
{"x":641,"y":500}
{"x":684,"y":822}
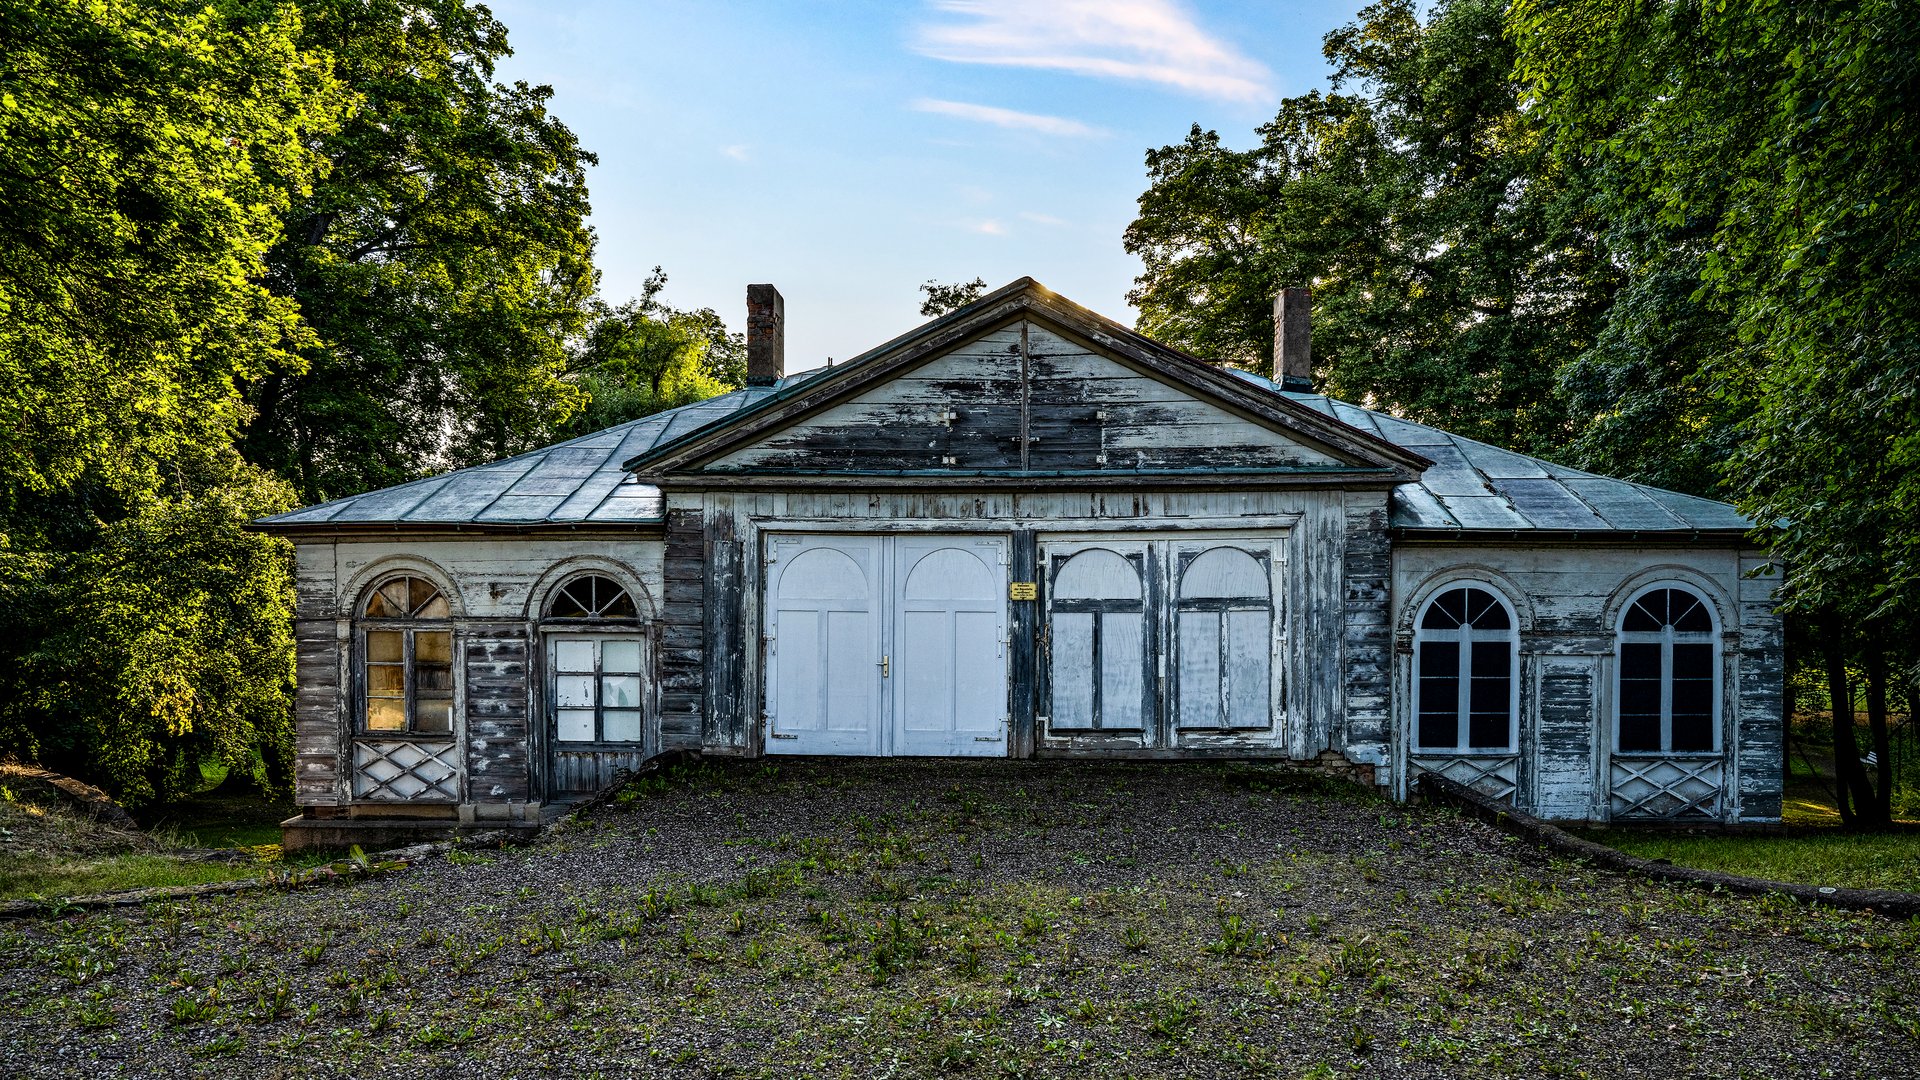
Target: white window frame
{"x":1666,"y":637}
{"x":598,"y":631}
{"x":1463,"y":695}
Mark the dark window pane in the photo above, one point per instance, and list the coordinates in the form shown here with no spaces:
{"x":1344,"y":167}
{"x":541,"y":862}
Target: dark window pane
{"x":1641,"y":616}
{"x":1489,"y":730}
{"x":1640,"y":660}
{"x":1439,"y":693}
{"x":1689,"y":612}
{"x":1492,"y":616}
{"x":1692,"y":731}
{"x":1439,"y":730}
{"x":1490,"y":696}
{"x":1639,"y":696}
{"x":1439,"y":616}
{"x":1639,"y":731}
{"x":1693,"y":661}
{"x":1491,"y":659}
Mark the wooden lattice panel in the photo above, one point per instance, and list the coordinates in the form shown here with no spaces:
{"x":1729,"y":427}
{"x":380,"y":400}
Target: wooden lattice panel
{"x":398,"y":771}
{"x":1666,"y":787}
{"x":1495,"y":776}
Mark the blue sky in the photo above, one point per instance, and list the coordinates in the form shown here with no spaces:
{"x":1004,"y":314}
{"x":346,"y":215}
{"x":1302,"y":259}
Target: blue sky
{"x":847,"y":152}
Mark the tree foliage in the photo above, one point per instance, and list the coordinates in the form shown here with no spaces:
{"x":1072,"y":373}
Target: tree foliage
{"x":938,"y":299}
{"x":641,"y":357}
{"x":442,"y":263}
{"x":146,"y":154}
{"x":1757,"y":162}
{"x":1455,"y":267}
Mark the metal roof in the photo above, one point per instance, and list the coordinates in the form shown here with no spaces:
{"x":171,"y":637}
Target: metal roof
{"x":1475,"y":487}
{"x":1472,"y":487}
{"x":577,"y":482}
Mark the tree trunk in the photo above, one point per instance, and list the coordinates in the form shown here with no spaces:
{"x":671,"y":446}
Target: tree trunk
{"x":1850,"y":780}
{"x":1877,"y":724}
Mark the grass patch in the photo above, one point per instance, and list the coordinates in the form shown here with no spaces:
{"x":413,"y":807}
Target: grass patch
{"x":26,"y":876}
{"x":1843,"y":860}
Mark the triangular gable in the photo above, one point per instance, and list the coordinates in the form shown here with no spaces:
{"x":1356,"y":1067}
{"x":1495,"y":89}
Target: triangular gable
{"x":1025,"y":384}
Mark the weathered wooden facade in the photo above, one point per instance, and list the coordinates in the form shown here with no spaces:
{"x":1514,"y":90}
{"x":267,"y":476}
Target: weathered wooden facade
{"x":1024,"y":530}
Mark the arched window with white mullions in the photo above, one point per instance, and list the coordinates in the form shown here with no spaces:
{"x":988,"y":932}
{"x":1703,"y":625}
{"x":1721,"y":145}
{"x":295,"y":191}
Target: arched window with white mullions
{"x":1669,"y":685}
{"x":596,"y":662}
{"x":1465,"y":653}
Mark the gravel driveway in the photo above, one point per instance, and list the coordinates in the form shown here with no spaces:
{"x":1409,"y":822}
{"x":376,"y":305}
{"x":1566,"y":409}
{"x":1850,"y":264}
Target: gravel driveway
{"x":989,"y":919}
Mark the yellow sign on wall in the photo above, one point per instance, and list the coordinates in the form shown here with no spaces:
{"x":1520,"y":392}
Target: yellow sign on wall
{"x":1023,"y":590}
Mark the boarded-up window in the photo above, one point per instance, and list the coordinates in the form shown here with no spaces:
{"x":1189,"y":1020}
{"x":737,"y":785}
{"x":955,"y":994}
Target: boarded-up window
{"x":1668,"y":675}
{"x":406,"y":670}
{"x":1464,"y":687}
{"x":1098,"y":642}
{"x":1224,"y":640}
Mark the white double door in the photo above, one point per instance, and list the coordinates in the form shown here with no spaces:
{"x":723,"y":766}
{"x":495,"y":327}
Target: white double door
{"x":886,"y":645}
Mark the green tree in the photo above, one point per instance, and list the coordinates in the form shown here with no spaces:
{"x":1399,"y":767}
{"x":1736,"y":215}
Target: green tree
{"x":147,"y":153}
{"x":641,"y":357}
{"x":1455,"y":267}
{"x":939,"y":299}
{"x":443,"y":263}
{"x":1766,"y":150}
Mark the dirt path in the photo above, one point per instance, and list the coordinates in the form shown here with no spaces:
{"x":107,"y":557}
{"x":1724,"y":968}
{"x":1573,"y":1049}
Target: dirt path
{"x":975,"y":919}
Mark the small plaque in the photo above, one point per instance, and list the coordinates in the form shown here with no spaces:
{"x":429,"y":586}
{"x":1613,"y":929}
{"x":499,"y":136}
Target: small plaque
{"x":1023,"y":590}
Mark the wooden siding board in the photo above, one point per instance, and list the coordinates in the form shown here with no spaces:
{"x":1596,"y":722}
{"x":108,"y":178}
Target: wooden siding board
{"x":1366,"y":630}
{"x":317,"y":712}
{"x":684,"y":620}
{"x":497,"y":723}
{"x":1563,"y":769}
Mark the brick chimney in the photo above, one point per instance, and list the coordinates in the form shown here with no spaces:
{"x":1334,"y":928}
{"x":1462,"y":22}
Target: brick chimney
{"x":1293,"y":340}
{"x":766,"y":335}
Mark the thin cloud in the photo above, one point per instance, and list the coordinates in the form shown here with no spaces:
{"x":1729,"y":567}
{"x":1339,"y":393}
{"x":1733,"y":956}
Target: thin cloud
{"x":737,"y":152}
{"x":987,"y":227}
{"x":1008,"y":118}
{"x":1154,"y":41}
{"x":1042,"y":219}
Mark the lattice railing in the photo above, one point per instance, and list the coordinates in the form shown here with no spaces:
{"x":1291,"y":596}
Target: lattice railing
{"x":1666,"y":787}
{"x":406,"y":771}
{"x":1495,"y":776}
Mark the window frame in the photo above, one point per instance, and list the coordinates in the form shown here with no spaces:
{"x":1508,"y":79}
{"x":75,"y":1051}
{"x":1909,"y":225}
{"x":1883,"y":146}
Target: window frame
{"x":1100,"y":609}
{"x":598,"y":630}
{"x":1184,"y":556}
{"x":1666,"y":637}
{"x":408,"y":628}
{"x":1463,"y":693}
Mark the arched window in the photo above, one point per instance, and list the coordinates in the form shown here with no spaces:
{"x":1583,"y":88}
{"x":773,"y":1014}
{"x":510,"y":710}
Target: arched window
{"x":591,"y":597}
{"x":1669,"y":674}
{"x":1097,"y":642}
{"x":597,"y":686}
{"x":406,"y":658}
{"x":1464,"y":649}
{"x":1224,"y":635}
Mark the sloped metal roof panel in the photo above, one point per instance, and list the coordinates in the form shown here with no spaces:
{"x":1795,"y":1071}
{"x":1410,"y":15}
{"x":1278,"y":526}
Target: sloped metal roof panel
{"x":579,"y":481}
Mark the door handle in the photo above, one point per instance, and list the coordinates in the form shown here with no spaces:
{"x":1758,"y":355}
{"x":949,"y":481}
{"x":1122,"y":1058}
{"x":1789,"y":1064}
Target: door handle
{"x":886,"y":666}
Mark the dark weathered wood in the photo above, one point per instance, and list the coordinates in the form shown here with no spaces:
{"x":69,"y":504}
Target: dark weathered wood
{"x":1023,"y":639}
{"x":1367,"y":633}
{"x":498,"y":727}
{"x":681,"y":664}
{"x":725,"y":721}
{"x":318,"y":705}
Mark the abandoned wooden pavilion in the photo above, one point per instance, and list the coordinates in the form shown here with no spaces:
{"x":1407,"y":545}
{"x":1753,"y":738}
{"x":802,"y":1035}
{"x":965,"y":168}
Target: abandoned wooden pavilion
{"x":1023,"y":530}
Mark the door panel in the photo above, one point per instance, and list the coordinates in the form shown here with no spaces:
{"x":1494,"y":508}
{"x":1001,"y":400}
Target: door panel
{"x":949,"y":658}
{"x":598,"y":695}
{"x":823,"y":662}
{"x":887,"y":645}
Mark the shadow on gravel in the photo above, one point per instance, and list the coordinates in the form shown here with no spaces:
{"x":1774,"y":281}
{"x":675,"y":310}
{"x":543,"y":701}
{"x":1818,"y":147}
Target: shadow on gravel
{"x":994,"y":919}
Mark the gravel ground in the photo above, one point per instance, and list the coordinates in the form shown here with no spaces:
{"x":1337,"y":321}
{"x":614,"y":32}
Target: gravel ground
{"x":991,"y":919}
